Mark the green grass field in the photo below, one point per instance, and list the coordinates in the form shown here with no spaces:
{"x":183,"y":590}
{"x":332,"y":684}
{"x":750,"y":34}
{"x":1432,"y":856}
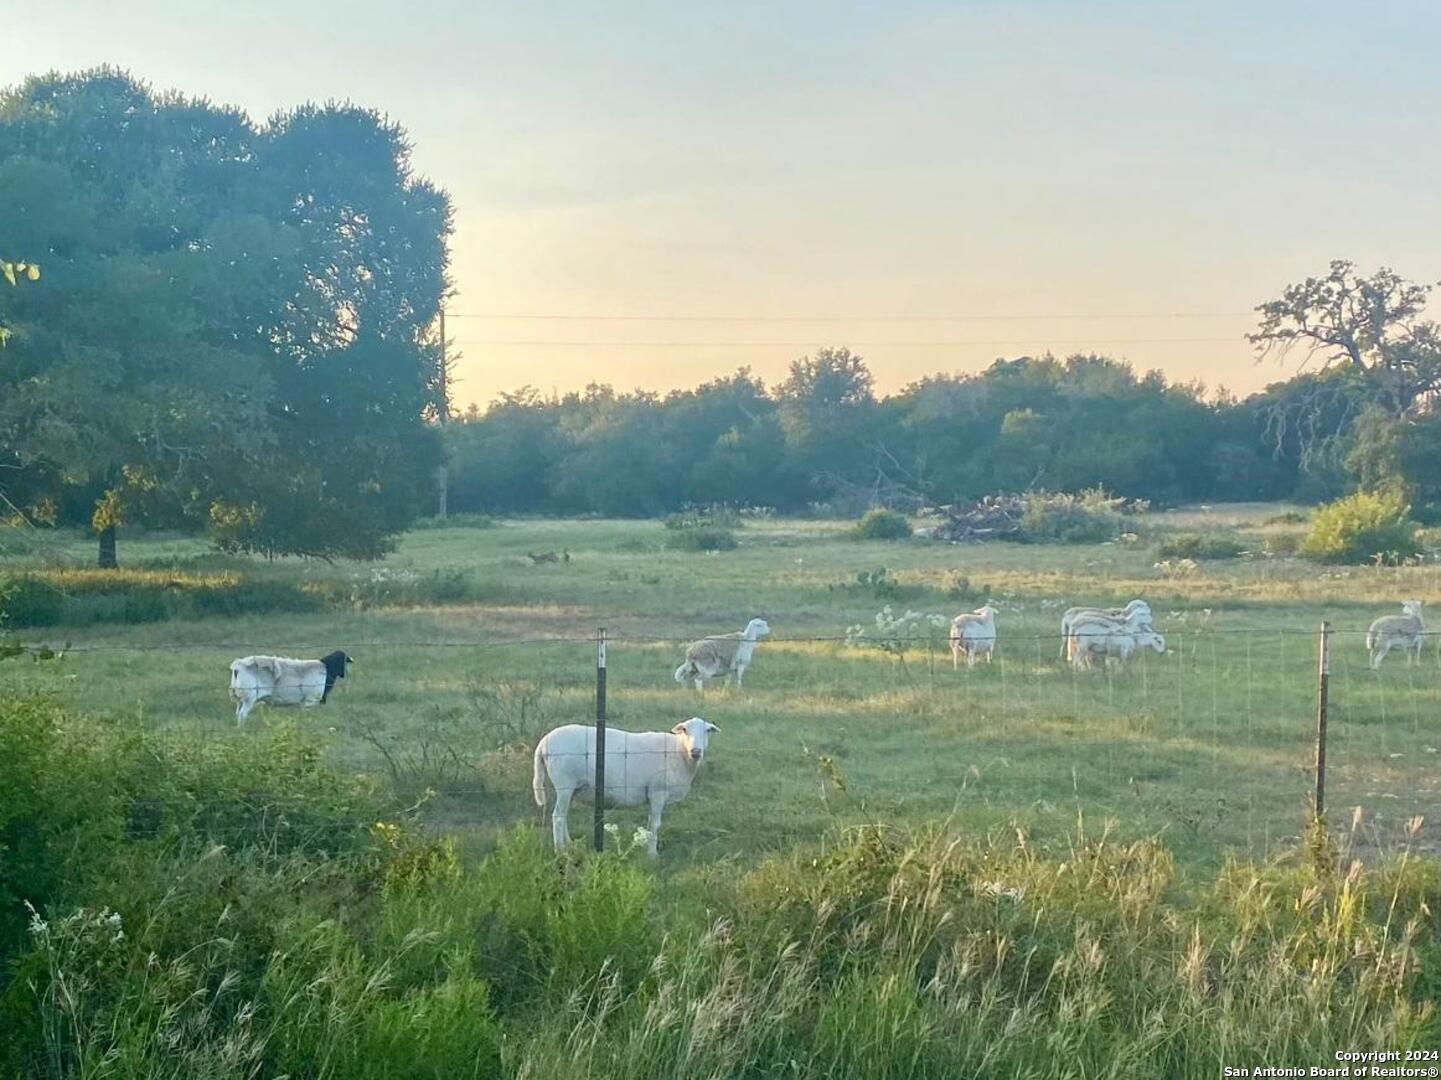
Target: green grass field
{"x":1208,"y":747}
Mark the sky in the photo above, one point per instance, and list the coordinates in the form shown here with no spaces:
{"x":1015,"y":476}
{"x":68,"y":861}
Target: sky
{"x":654,"y":194}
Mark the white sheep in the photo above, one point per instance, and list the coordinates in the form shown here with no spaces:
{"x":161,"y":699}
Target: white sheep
{"x":973,"y":633}
{"x":655,"y":767}
{"x":1110,"y":613}
{"x":1109,"y":639}
{"x":284,"y":681}
{"x":713,"y":657}
{"x":1406,"y":631}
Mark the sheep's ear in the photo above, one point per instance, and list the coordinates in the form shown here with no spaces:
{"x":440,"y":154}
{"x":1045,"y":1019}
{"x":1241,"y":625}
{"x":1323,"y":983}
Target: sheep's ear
{"x":711,"y":727}
{"x":679,"y":729}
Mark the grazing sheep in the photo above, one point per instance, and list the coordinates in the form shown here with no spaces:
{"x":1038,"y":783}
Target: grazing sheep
{"x":1095,"y":636}
{"x":1406,"y":631}
{"x":973,"y":633}
{"x":713,"y":657}
{"x":1109,"y":613}
{"x":655,"y":767}
{"x":283,"y":681}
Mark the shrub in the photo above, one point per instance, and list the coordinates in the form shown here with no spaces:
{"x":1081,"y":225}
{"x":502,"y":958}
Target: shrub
{"x":1360,"y":528}
{"x":57,"y":809}
{"x":1290,"y":517}
{"x":1282,"y":544}
{"x":1201,"y":546}
{"x":701,"y":538}
{"x":881,"y":524}
{"x":39,"y":598}
{"x":1068,"y":519}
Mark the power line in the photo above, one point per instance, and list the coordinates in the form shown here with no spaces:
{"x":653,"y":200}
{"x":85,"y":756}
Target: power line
{"x":575,"y":317}
{"x":815,"y":342}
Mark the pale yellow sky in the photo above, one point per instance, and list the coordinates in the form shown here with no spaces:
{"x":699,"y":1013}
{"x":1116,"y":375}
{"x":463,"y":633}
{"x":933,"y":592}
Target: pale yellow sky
{"x":826,"y":165}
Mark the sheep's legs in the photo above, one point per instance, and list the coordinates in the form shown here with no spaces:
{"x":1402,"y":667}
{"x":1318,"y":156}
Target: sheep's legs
{"x":740,"y":677}
{"x":560,"y":818}
{"x":657,"y":805}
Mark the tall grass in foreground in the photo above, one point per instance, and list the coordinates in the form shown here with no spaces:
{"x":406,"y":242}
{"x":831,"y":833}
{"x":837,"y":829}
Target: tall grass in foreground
{"x":242,"y":911}
{"x":889,"y":956}
{"x":897,"y":956}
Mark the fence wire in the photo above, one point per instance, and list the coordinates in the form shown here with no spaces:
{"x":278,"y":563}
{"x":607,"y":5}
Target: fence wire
{"x":1210,"y":743}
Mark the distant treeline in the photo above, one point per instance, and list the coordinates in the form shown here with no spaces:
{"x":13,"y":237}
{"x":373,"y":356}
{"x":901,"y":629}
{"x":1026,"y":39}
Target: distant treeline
{"x":823,"y":436}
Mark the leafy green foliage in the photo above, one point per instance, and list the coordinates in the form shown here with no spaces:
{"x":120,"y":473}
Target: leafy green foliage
{"x":882,"y":524}
{"x":1364,"y":527}
{"x":39,"y":598}
{"x":1088,"y":518}
{"x":234,"y":336}
{"x":822,"y":436}
{"x":1399,"y":455}
{"x":701,"y":538}
{"x":1370,"y":326}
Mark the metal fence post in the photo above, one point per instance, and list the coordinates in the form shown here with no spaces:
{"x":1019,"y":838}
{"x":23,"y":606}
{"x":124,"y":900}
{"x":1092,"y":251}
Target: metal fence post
{"x":600,"y":741}
{"x":1322,"y":706}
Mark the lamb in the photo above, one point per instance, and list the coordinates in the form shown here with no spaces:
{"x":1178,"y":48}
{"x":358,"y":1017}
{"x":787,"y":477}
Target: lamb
{"x":973,"y":633}
{"x":1110,"y":613}
{"x":713,"y":657}
{"x":654,"y":767}
{"x":1096,"y":636}
{"x":1406,"y":631}
{"x":284,"y":681}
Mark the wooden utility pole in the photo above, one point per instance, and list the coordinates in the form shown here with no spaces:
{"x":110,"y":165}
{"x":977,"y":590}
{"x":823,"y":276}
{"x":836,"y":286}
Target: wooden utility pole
{"x":442,"y":474}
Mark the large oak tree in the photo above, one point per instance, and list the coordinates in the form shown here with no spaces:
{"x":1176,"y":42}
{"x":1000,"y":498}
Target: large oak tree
{"x":233,"y":328}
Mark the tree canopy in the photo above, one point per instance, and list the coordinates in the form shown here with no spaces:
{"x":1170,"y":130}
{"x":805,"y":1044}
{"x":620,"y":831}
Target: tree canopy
{"x":822,"y":436}
{"x":233,"y":328}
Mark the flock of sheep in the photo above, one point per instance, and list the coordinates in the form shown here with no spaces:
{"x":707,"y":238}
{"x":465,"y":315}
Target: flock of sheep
{"x":656,"y":768}
{"x":1087,"y":634}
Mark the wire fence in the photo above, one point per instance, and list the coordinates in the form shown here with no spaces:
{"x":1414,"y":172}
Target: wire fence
{"x":1211,"y":743}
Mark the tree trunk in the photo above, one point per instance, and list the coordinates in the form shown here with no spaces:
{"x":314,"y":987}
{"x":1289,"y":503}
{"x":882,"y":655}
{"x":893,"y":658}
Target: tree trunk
{"x":107,"y":548}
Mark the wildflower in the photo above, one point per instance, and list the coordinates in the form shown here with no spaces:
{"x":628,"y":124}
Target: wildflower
{"x":642,"y":836}
{"x":38,"y":926}
{"x":612,"y":830}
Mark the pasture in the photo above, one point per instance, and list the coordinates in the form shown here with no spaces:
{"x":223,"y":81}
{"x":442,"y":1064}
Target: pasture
{"x":1208,"y":747}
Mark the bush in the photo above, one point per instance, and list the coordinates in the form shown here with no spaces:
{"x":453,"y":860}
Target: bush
{"x":58,"y":808}
{"x":881,"y":524}
{"x":39,"y":598}
{"x":1362,"y":527}
{"x":1282,"y":544}
{"x":1290,"y":517}
{"x":701,"y":538}
{"x":1201,"y":546}
{"x":1069,"y":519}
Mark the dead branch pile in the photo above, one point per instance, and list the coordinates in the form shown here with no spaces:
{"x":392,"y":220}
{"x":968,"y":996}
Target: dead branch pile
{"x":995,"y":517}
